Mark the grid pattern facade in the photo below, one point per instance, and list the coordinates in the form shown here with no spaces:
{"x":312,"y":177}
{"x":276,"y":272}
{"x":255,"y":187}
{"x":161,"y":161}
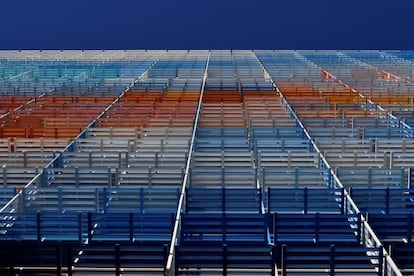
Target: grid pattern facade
{"x":222,"y":162}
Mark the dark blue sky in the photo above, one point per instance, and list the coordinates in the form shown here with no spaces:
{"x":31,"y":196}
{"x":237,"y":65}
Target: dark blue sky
{"x":206,"y":24}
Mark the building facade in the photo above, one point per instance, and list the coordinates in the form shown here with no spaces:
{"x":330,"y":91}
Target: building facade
{"x":198,"y":162}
